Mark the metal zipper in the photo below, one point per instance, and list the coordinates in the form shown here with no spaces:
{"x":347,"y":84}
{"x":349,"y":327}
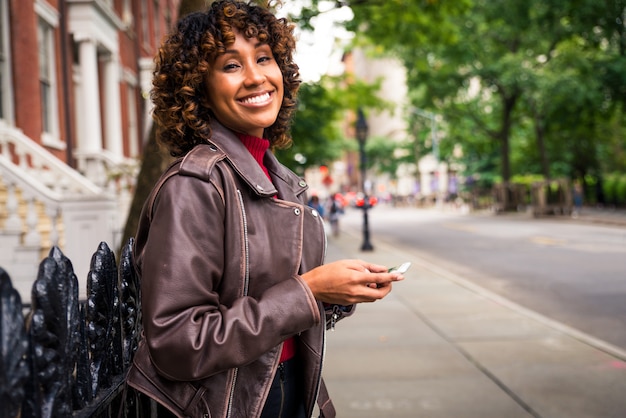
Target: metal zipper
{"x":245,"y":292}
{"x":334,"y":317}
{"x":281,"y":371}
{"x":246,"y":244}
{"x":323,"y":355}
{"x":319,"y":376}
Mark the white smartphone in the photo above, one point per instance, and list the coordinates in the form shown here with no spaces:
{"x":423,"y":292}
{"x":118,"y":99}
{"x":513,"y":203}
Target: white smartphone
{"x":402,"y":268}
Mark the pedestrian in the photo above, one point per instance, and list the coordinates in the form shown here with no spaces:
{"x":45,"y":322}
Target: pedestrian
{"x":578,"y":193}
{"x":315,"y":203}
{"x":235,"y":295}
{"x":335,"y":210}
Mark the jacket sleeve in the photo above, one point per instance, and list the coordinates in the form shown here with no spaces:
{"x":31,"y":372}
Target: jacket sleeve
{"x":191,"y":333}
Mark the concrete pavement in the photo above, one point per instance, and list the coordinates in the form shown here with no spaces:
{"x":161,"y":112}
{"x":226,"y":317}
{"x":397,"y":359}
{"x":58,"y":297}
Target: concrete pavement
{"x":439,"y":346}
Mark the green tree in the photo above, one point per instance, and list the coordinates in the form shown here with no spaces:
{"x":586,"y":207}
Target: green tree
{"x":543,"y":80}
{"x":385,"y":156}
{"x":318,"y":139}
{"x":317,"y":130}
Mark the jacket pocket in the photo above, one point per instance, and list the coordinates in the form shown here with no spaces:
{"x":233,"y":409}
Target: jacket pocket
{"x":181,"y":398}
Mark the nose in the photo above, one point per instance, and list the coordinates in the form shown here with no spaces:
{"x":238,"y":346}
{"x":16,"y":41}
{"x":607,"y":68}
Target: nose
{"x":254,"y":75}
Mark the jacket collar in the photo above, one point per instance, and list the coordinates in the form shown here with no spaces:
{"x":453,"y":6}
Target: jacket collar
{"x":285,"y":182}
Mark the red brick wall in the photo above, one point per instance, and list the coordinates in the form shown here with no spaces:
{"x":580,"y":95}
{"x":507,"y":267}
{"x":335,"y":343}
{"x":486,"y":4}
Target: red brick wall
{"x":25,"y":68}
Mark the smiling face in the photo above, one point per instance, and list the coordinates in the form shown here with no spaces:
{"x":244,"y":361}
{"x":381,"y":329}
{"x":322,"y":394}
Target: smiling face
{"x":245,"y":87}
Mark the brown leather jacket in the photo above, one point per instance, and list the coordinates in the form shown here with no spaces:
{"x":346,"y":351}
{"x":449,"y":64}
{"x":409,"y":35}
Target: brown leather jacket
{"x":220,"y":262}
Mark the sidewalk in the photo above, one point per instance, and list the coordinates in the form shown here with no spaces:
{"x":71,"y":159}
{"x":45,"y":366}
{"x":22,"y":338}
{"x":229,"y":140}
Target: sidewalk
{"x":605,"y":216}
{"x":440,"y":347}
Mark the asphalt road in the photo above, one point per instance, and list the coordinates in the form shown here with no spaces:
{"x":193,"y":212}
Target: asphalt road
{"x":571,"y":272}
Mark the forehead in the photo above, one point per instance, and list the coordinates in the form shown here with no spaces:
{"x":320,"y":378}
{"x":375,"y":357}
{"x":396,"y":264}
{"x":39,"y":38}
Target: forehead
{"x":241,"y":43}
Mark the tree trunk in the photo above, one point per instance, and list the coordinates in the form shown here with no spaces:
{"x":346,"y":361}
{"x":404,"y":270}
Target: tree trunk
{"x":155,"y":160}
{"x":508,"y":103}
{"x":541,"y":146}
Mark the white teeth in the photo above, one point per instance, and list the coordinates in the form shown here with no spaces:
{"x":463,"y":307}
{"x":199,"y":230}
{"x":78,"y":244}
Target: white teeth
{"x":257,"y":99}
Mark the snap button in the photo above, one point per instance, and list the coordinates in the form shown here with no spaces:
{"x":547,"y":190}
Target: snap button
{"x":302,"y":183}
{"x":314,"y":213}
{"x":296,"y":211}
{"x":258,"y":186}
{"x":212,"y":147}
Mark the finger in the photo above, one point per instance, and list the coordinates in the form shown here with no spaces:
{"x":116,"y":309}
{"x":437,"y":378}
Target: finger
{"x":397,"y":277}
{"x":383,"y":291}
{"x":383,"y":279}
{"x":376,"y":268}
{"x":357,"y":265}
{"x":377,"y":291}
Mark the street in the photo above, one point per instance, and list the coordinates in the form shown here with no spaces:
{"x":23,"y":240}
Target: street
{"x":478,"y":328}
{"x":571,"y":272}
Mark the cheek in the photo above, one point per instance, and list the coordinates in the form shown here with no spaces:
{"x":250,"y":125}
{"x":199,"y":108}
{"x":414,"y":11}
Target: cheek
{"x":280,"y":85}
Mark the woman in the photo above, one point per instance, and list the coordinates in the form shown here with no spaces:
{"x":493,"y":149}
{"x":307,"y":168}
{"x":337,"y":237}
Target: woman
{"x":235,"y":295}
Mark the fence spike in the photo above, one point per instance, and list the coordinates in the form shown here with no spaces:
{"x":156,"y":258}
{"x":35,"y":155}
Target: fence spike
{"x":53,"y":336}
{"x":14,"y":345}
{"x":99,"y":315}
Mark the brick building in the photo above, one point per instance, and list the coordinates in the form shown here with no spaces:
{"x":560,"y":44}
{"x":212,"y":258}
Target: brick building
{"x":74,"y":113}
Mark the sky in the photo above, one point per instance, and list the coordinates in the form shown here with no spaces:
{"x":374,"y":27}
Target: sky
{"x":319,"y":52}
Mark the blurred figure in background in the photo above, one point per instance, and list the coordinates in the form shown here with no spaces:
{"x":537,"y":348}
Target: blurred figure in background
{"x":335,"y":210}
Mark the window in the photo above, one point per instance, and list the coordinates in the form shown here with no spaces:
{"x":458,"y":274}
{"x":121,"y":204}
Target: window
{"x":47,"y":23}
{"x":47,"y":83}
{"x":145,"y":30}
{"x":5,"y":66}
{"x":157,"y":26}
{"x":127,"y":13}
{"x":45,"y":78}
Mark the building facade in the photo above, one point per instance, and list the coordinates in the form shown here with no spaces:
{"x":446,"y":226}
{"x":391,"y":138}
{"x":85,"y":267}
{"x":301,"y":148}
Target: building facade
{"x":74,"y":113}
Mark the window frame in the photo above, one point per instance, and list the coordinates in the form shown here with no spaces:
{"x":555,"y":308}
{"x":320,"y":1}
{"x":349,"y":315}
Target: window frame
{"x":6,"y":86}
{"x":47,"y":26}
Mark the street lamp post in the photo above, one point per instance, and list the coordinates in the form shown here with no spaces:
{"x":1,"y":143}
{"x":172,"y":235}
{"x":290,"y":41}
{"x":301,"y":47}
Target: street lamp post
{"x":361,"y":136}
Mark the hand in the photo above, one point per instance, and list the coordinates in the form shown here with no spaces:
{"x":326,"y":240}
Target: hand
{"x":346,"y":282}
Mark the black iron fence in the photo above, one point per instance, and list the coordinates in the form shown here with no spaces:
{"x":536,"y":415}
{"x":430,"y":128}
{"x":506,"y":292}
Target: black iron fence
{"x":62,"y":357}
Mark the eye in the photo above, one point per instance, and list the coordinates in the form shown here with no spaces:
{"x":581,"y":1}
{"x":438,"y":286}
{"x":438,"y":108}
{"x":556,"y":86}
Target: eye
{"x":264,"y":58}
{"x":230,"y":67}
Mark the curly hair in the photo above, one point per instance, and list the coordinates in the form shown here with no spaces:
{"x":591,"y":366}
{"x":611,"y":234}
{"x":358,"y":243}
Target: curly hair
{"x":186,"y":56}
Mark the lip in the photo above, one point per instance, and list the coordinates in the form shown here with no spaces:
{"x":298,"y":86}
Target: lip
{"x":257,"y":99}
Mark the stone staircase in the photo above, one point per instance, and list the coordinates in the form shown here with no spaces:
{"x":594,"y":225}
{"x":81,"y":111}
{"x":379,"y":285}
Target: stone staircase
{"x":45,"y":203}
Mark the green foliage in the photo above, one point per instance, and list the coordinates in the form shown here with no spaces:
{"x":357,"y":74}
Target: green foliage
{"x":620,"y":190}
{"x":411,"y":23}
{"x":542,"y":82}
{"x":400,"y":25}
{"x":527,"y":179}
{"x":524,"y":86}
{"x":317,"y":131}
{"x":609,"y":188}
{"x":614,"y":189}
{"x":384,"y":155}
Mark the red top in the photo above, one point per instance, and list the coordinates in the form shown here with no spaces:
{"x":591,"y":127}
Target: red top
{"x":257,"y":147}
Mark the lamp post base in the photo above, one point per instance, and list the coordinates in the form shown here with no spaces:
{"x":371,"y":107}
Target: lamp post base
{"x":367,"y":245}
